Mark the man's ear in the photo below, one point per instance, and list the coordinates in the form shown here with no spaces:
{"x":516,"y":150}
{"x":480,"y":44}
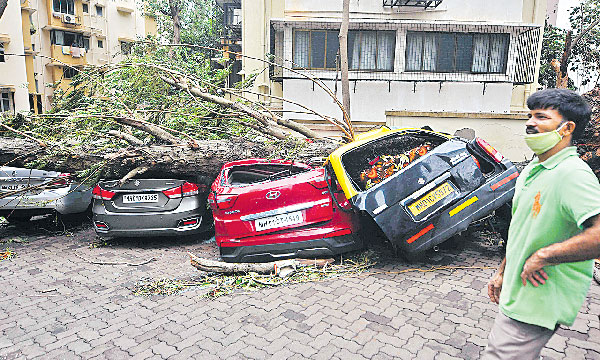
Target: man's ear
{"x":568,"y":128}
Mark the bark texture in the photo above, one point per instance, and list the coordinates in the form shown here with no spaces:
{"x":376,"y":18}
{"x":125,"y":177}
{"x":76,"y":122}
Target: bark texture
{"x":206,"y":160}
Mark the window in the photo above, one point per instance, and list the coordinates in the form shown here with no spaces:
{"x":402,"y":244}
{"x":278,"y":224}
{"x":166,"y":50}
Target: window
{"x":126,"y":47}
{"x":69,"y":72}
{"x":100,"y":44}
{"x":63,"y":6}
{"x":2,"y":52}
{"x":5,"y":101}
{"x":65,"y":38}
{"x":86,"y":42}
{"x":456,"y":52}
{"x":371,"y":50}
{"x":316,"y":49}
{"x":86,"y":8}
{"x":99,"y":10}
{"x":367,"y":50}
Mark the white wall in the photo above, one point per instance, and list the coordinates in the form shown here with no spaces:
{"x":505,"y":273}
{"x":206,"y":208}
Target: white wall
{"x":371,"y":99}
{"x":460,"y":10}
{"x":12,"y":71}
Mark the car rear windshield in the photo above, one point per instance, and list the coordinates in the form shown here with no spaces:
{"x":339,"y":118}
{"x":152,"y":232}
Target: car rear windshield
{"x":378,"y":159}
{"x":248,"y":174}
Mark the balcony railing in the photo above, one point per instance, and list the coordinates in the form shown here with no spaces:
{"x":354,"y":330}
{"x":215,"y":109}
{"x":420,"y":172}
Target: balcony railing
{"x":425,"y":4}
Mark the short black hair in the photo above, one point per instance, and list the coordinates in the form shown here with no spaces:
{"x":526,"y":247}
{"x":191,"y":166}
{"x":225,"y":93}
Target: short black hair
{"x":568,"y":103}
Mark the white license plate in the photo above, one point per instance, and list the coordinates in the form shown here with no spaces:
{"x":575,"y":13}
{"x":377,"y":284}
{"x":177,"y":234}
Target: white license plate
{"x":140,"y":198}
{"x":277,"y":221}
{"x":13,"y":187}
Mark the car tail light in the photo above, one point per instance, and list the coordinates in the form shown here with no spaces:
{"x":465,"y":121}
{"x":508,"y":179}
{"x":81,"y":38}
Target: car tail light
{"x":225,"y":201}
{"x":62,"y":180}
{"x":476,"y":162}
{"x":101,"y":194}
{"x":490,"y":150}
{"x":187,"y":189}
{"x":188,"y":222}
{"x":100,"y":225}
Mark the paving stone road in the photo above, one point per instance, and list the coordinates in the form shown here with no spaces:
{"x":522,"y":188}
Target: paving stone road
{"x":55,"y":303}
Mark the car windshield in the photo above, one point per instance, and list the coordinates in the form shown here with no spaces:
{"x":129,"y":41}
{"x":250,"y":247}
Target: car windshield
{"x":248,"y":174}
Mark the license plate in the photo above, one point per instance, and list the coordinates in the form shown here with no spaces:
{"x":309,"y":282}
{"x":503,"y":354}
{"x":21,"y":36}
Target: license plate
{"x":13,"y":187}
{"x":431,"y":198}
{"x":273,"y":222}
{"x":140,"y":198}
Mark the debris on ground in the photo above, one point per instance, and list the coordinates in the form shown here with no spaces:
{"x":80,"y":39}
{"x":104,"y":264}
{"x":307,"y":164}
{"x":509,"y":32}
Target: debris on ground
{"x":7,"y":254}
{"x":219,"y":284}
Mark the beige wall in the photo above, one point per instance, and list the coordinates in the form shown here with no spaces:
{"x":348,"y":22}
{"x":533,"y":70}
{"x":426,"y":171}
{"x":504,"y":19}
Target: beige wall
{"x":505,"y":132}
{"x":121,"y":19}
{"x":256,"y":17}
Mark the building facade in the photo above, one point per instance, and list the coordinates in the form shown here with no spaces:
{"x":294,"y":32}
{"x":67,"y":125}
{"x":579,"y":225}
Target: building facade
{"x":411,"y":62}
{"x":44,"y":42}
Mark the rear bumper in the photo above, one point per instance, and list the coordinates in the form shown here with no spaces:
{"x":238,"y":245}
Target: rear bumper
{"x":327,"y":246}
{"x":148,"y":225}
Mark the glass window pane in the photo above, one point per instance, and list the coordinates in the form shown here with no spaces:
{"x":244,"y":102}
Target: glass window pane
{"x":333,"y":46}
{"x":69,"y":39}
{"x":386,"y":46}
{"x":317,"y":49}
{"x":498,"y":52}
{"x":70,"y":7}
{"x":464,"y":52}
{"x":368,"y":50}
{"x":56,"y":5}
{"x":429,"y":52}
{"x":446,"y":48}
{"x":59,"y":37}
{"x":481,"y":49}
{"x":414,"y":51}
{"x":353,"y":50}
{"x":301,"y":46}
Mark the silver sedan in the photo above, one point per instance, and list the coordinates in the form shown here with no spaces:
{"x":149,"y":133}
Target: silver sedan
{"x":150,"y":207}
{"x":28,"y":192}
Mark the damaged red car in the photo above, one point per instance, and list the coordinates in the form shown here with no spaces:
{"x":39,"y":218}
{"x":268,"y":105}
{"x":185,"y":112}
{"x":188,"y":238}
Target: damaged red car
{"x":268,"y":210}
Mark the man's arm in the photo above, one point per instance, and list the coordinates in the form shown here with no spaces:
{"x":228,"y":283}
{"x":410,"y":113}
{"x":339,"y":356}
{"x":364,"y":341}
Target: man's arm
{"x":584,"y":246}
{"x":495,"y":283}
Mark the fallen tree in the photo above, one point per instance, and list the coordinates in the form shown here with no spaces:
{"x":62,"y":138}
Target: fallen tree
{"x":589,"y":144}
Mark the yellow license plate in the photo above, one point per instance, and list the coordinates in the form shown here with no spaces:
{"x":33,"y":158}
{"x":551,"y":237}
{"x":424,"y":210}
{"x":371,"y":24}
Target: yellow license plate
{"x":431,"y":198}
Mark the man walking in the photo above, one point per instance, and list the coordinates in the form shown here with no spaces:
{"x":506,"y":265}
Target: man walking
{"x":554,"y":234}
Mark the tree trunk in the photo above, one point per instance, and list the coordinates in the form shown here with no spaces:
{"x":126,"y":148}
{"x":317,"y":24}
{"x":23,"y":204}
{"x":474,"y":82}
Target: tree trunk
{"x":344,"y":62}
{"x":175,"y":9}
{"x":176,"y":161}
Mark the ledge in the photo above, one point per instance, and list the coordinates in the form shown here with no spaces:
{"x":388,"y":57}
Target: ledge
{"x":4,"y":38}
{"x":449,"y":114}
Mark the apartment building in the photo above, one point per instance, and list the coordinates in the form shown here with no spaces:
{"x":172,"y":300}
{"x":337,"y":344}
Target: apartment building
{"x":446,"y":64}
{"x":43,"y":42}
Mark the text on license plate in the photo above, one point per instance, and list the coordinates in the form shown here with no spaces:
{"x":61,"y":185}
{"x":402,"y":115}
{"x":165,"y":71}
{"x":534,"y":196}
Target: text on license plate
{"x":13,"y":187}
{"x":431,"y":198}
{"x":279,"y":221}
{"x":140,"y":198}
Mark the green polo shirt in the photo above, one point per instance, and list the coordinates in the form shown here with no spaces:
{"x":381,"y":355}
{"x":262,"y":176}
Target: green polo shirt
{"x":552,"y":201}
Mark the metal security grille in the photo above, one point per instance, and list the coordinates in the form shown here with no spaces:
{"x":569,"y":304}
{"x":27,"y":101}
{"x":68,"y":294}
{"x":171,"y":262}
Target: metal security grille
{"x":413,"y":3}
{"x":401,"y":50}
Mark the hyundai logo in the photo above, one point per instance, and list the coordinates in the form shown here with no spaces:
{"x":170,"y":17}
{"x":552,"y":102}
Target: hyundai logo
{"x":272,"y":195}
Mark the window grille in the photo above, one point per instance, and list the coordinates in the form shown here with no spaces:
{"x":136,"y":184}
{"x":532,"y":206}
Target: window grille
{"x":66,"y":38}
{"x":5,"y":101}
{"x":425,"y":4}
{"x":69,"y":72}
{"x":63,"y":6}
{"x":2,"y":59}
{"x":427,"y":51}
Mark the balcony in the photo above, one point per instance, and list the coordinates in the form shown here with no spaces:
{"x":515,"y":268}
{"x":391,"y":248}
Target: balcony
{"x":67,"y":55}
{"x":425,"y":4}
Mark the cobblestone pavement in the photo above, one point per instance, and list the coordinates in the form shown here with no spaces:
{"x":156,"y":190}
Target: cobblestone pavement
{"x":56,"y":303}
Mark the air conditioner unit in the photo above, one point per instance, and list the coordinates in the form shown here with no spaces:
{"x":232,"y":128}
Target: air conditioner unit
{"x":69,"y":19}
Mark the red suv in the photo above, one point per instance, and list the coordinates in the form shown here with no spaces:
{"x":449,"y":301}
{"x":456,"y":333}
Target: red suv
{"x":267,"y":210}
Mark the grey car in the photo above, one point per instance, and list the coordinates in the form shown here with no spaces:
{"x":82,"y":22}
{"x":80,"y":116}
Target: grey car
{"x":28,"y":192}
{"x":150,"y":207}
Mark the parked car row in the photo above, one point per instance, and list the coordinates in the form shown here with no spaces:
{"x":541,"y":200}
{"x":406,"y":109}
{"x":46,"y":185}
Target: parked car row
{"x":419,"y":186}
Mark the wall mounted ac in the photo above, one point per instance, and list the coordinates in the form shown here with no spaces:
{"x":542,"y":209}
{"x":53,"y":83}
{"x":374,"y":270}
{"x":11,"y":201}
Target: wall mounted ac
{"x":69,"y":19}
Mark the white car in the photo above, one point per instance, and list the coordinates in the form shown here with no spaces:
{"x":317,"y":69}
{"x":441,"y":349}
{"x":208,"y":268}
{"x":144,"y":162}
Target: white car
{"x":25,"y":193}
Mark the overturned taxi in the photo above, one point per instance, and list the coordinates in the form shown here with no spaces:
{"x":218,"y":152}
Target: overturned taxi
{"x":420,"y":186}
